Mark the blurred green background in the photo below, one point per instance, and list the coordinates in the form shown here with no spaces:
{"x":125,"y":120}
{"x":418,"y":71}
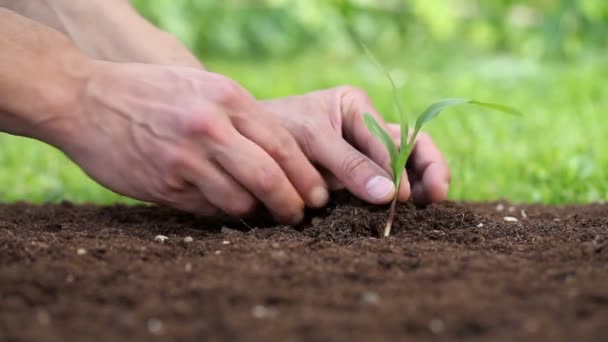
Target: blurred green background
{"x":545,"y":57}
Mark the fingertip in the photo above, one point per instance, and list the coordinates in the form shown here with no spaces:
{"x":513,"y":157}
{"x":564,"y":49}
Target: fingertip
{"x":297,"y":219}
{"x":432,"y":189}
{"x":380,"y":190}
{"x":318,"y":197}
{"x":436,"y":192}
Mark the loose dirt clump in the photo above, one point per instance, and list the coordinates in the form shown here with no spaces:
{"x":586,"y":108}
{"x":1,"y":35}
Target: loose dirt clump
{"x":450,"y":271}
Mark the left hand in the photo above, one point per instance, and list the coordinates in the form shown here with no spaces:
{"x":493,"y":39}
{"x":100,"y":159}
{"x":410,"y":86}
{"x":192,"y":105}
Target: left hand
{"x":328,"y":125}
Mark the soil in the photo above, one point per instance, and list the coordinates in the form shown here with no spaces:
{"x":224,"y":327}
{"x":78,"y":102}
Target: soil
{"x":452,"y":271}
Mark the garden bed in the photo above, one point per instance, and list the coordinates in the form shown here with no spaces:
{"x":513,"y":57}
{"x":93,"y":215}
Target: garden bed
{"x":453,"y":271}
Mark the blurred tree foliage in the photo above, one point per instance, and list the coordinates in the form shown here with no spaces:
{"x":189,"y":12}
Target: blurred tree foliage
{"x":263,"y":28}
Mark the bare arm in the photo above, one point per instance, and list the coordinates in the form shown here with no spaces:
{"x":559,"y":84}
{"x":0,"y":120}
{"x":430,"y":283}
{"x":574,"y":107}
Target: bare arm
{"x":107,"y":29}
{"x":41,"y":76}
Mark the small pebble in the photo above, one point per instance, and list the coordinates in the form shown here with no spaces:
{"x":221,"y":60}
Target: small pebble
{"x":161,"y":238}
{"x":188,"y":267}
{"x":217,"y":252}
{"x":261,"y":311}
{"x":436,"y":326}
{"x":81,"y":251}
{"x":510,"y":219}
{"x":188,"y":239}
{"x":523,"y":214}
{"x":43,"y":317}
{"x":500,"y":207}
{"x":480,"y":225}
{"x":155,"y":326}
{"x":316,"y":221}
{"x":225,"y":242}
{"x":531,"y":326}
{"x":370,"y":297}
{"x":278,"y":254}
{"x":226,"y":230}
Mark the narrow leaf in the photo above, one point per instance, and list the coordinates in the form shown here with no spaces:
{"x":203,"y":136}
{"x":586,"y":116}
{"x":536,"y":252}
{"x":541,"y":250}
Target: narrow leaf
{"x":497,"y":106}
{"x":375,"y":128}
{"x":433,"y":111}
{"x":403,"y":121}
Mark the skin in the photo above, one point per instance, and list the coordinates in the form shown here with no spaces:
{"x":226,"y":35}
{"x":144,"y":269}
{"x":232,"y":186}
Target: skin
{"x":170,"y":132}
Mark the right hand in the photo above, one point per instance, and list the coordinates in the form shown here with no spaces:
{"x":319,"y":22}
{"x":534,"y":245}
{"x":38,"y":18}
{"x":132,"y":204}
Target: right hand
{"x":190,"y":139}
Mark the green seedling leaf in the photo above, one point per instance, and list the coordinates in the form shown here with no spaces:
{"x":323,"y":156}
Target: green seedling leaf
{"x":375,"y":128}
{"x":403,"y":121}
{"x":436,"y":108}
{"x":497,"y":106}
{"x":399,"y":160}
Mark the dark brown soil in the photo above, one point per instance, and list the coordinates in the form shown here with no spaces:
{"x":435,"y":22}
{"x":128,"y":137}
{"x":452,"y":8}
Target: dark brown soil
{"x":451,"y":271}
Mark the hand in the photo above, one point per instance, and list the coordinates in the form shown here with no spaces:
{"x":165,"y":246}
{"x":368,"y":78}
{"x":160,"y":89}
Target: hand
{"x":329,"y":127}
{"x":190,"y":139}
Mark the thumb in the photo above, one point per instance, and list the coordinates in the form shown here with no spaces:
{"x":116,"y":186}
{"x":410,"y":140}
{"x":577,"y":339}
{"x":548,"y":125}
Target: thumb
{"x":359,"y":174}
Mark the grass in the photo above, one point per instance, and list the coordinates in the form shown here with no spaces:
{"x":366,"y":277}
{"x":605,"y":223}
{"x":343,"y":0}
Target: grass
{"x":554,"y":153}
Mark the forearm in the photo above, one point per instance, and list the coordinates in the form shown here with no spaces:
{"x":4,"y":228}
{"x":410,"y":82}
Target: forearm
{"x":107,"y":29}
{"x":42,"y":76}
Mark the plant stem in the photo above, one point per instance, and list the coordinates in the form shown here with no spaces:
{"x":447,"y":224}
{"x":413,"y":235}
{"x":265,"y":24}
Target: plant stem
{"x":391,"y":217}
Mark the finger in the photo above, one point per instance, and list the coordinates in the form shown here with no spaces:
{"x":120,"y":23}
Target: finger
{"x":333,"y":183}
{"x":355,"y":104}
{"x":429,"y":170}
{"x":357,"y":172}
{"x":286,"y":152}
{"x":429,"y":190}
{"x":256,"y":171}
{"x":192,"y":201}
{"x":219,"y":188}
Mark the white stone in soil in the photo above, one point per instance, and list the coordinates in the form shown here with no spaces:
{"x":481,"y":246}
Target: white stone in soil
{"x":261,"y":311}
{"x":155,"y":326}
{"x":161,"y":238}
{"x":370,"y":297}
{"x":436,"y":326}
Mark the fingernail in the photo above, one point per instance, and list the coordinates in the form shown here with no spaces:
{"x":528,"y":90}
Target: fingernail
{"x":380,"y":188}
{"x":318,"y":197}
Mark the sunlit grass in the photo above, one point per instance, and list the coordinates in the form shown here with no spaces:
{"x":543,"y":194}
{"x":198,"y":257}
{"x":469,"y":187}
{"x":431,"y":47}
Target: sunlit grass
{"x":554,"y":153}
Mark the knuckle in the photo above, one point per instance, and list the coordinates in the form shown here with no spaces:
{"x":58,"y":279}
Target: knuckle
{"x":229,"y":92}
{"x":308,"y":137}
{"x":268,"y":181}
{"x":352,"y":91}
{"x":242,"y":207}
{"x":352,"y":162}
{"x":206,"y":125}
{"x":281,"y":148}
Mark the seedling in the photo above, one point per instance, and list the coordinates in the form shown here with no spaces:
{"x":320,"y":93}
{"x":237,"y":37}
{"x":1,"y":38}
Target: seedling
{"x":400,"y":154}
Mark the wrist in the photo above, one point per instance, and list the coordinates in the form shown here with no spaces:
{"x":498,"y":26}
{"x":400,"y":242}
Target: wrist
{"x":56,"y":111}
{"x":42,"y":79}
